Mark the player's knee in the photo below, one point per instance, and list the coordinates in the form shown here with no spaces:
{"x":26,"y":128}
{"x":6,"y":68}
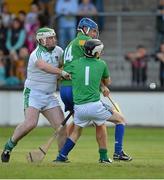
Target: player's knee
{"x":121,"y":120}
{"x":31,"y":125}
{"x":70,"y":128}
{"x":100,"y":132}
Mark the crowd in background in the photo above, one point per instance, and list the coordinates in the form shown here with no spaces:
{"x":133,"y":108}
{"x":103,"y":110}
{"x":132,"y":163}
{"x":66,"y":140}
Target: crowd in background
{"x":17,"y":36}
{"x":17,"y":32}
{"x":139,"y":58}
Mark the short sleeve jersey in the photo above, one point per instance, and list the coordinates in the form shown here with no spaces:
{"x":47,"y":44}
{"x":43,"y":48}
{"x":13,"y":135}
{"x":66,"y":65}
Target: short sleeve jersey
{"x":39,"y":79}
{"x":87,"y":74}
{"x":73,"y":52}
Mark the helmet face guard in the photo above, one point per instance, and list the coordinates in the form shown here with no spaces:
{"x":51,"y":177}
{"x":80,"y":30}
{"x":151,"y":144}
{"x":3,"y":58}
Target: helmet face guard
{"x":89,"y":24}
{"x":44,"y":33}
{"x":93,"y":47}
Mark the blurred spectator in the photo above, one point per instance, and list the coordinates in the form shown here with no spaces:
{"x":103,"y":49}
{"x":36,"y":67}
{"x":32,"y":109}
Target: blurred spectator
{"x":46,"y":16}
{"x":15,"y":40}
{"x":159,"y":25}
{"x":42,"y":11}
{"x":13,"y":58}
{"x":2,"y":37}
{"x":6,"y":15}
{"x":31,"y":25}
{"x":44,"y":6}
{"x":21,"y":64}
{"x":30,"y":38}
{"x":12,"y":79}
{"x":22,"y":17}
{"x":32,"y":17}
{"x":15,"y":36}
{"x":66,"y":11}
{"x":160,"y":58}
{"x":100,"y":8}
{"x":86,"y":8}
{"x":2,"y":69}
{"x":1,"y":2}
{"x":138,"y":60}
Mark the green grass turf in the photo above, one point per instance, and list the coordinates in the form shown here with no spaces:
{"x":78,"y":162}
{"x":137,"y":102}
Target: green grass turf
{"x":146,"y":146}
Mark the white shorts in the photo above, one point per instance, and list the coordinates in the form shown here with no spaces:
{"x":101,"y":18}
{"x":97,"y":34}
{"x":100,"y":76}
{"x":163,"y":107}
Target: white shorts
{"x":39,"y":99}
{"x":94,"y":112}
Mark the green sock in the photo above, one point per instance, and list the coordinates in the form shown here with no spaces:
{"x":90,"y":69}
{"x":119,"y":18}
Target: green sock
{"x":10,"y":145}
{"x":103,"y":154}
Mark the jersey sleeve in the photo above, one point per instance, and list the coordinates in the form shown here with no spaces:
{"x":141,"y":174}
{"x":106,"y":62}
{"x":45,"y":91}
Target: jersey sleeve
{"x":60,"y":52}
{"x":35,"y":56}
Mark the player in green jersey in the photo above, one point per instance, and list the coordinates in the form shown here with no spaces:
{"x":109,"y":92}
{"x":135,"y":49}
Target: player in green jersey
{"x":87,"y":29}
{"x":87,"y":74}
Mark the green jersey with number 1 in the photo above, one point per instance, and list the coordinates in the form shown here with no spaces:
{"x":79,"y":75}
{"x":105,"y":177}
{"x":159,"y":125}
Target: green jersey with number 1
{"x":87,"y":74}
{"x":73,"y":52}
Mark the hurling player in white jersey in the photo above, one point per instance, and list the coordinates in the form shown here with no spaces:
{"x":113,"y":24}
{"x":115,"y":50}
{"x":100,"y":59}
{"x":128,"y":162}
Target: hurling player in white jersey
{"x":42,"y":72}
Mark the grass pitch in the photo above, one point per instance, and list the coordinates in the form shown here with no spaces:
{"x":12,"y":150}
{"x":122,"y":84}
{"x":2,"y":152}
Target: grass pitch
{"x":145,"y":145}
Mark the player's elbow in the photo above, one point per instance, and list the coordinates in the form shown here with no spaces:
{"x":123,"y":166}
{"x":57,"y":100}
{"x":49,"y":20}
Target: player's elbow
{"x":107,"y":81}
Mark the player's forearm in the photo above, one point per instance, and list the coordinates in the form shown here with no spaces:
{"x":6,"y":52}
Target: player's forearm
{"x":104,"y":89}
{"x":48,"y":67}
{"x":106,"y":82}
{"x":52,"y":70}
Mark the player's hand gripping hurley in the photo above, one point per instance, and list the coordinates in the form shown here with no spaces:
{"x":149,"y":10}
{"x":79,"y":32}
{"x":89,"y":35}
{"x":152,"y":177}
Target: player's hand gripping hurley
{"x":114,"y":104}
{"x":39,"y":154}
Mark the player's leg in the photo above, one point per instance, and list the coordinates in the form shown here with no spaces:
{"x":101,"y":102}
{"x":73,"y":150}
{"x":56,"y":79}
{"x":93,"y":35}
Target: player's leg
{"x":55,"y":116}
{"x":69,"y":144}
{"x":100,"y":114}
{"x":95,"y":111}
{"x":31,"y":120}
{"x":119,"y":120}
{"x":76,"y":133}
{"x":101,"y":137}
{"x":33,"y":102}
{"x":69,"y":128}
{"x":67,"y":98}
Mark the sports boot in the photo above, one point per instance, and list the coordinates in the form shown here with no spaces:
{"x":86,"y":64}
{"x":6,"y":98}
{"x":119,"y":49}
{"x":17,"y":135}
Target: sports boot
{"x":105,"y":161}
{"x":61,"y":159}
{"x":121,"y":157}
{"x":5,"y":156}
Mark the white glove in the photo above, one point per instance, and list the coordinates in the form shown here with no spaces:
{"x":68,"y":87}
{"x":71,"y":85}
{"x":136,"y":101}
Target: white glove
{"x":65,"y":75}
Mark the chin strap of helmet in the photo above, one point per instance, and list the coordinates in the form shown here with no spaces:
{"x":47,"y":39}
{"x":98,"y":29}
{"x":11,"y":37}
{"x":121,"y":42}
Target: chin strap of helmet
{"x":88,"y":29}
{"x":82,"y":30}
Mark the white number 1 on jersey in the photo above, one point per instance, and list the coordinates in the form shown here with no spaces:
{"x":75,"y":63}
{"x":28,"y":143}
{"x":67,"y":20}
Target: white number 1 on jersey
{"x":87,"y":68}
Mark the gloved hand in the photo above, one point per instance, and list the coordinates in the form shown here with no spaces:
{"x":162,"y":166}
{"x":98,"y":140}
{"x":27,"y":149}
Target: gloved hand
{"x":65,"y":75}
